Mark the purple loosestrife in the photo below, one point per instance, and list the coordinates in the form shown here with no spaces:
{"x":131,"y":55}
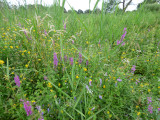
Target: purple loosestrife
{"x":80,"y":58}
{"x":27,"y":107}
{"x":122,"y":37}
{"x":17,"y":80}
{"x":150,"y":109}
{"x":55,"y":59}
{"x":149,"y":100}
{"x":119,"y":80}
{"x":133,"y":69}
{"x":71,"y":60}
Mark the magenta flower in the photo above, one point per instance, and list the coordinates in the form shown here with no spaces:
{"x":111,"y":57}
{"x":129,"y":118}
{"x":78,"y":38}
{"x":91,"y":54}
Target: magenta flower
{"x":90,"y":82}
{"x":87,"y":62}
{"x":71,"y":60}
{"x":27,"y":107}
{"x":17,"y":80}
{"x":119,"y":80}
{"x":80,"y":58}
{"x":55,"y":60}
{"x":150,"y":109}
{"x":122,"y":37}
{"x":158,"y":109}
{"x":133,"y":69}
{"x":149,"y":100}
{"x":45,"y":78}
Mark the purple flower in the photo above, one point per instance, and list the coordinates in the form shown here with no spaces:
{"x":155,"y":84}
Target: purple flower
{"x":55,"y":60}
{"x":149,"y":100}
{"x":158,"y":109}
{"x":48,"y":110}
{"x":80,"y":58}
{"x":27,"y":108}
{"x":45,"y":32}
{"x":122,"y":37}
{"x":45,"y":78}
{"x":100,"y":97}
{"x":87,"y":62}
{"x":90,"y":82}
{"x":100,"y":82}
{"x":87,"y":87}
{"x":17,"y":80}
{"x":119,"y":80}
{"x":75,"y":98}
{"x":71,"y":60}
{"x":133,"y":69}
{"x":93,"y":108}
{"x":72,"y":41}
{"x":65,"y":58}
{"x":123,"y":43}
{"x":150,"y":109}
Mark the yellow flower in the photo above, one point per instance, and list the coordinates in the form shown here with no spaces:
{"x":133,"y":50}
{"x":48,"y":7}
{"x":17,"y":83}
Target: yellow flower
{"x":138,"y":113}
{"x":11,"y":47}
{"x":108,"y":112}
{"x":49,"y":85}
{"x":1,"y":62}
{"x":77,"y":76}
{"x":110,"y":115}
{"x":149,"y":90}
{"x":85,"y":69}
{"x":26,"y":66}
{"x":33,"y":101}
{"x":104,"y":86}
{"x":59,"y":84}
{"x":137,"y":106}
{"x":159,"y":87}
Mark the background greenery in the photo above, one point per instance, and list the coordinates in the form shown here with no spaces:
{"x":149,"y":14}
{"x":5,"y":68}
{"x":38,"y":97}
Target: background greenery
{"x":29,"y":37}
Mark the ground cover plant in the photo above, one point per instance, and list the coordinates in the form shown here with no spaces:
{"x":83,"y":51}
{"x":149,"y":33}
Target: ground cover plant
{"x":56,"y":65}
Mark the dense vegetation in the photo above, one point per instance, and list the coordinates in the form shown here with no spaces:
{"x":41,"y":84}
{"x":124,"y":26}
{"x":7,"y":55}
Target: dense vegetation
{"x":56,"y":65}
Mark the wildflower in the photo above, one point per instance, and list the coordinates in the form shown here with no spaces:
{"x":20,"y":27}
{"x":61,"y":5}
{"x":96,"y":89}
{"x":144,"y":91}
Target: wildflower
{"x":158,"y":109}
{"x":45,"y":32}
{"x":149,"y":100}
{"x":27,"y":107}
{"x":48,"y":110}
{"x":119,"y":80}
{"x":26,"y":66}
{"x":105,"y":74}
{"x":87,"y":62}
{"x":138,"y":113}
{"x":77,"y":77}
{"x":104,"y":86}
{"x":100,"y":97}
{"x":1,"y":62}
{"x":122,"y":37}
{"x":85,"y":69}
{"x":17,"y":80}
{"x":150,"y":109}
{"x":45,"y":78}
{"x":88,"y":90}
{"x":100,"y":82}
{"x":65,"y":58}
{"x":93,"y":108}
{"x":71,"y":60}
{"x":133,"y":69}
{"x":55,"y":60}
{"x":80,"y":58}
{"x":90,"y":81}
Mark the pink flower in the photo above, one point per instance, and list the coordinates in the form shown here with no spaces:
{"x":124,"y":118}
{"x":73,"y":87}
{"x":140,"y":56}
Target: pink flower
{"x":17,"y":80}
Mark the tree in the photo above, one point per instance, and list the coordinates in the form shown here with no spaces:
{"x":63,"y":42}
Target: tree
{"x":111,"y":4}
{"x":148,"y":2}
{"x":80,"y":11}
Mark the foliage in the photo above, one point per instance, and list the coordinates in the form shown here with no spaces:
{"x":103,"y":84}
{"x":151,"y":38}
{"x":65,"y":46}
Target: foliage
{"x":56,"y":65}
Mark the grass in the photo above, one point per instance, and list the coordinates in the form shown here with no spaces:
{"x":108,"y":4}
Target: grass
{"x":90,"y":87}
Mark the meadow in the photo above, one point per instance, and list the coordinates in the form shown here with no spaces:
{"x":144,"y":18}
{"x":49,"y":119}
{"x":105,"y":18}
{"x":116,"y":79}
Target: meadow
{"x":69,"y":66}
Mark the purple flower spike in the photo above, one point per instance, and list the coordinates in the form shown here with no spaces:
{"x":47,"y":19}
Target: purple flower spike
{"x":149,"y":100}
{"x":133,"y":69}
{"x":119,"y":80}
{"x":158,"y":109}
{"x":55,"y":60}
{"x":150,"y":109}
{"x":27,"y":108}
{"x":17,"y":80}
{"x":45,"y":78}
{"x":90,"y":82}
{"x":80,"y":58}
{"x":71,"y":60}
{"x":100,"y":82}
{"x":100,"y":97}
{"x":87,"y":62}
{"x":125,"y":29}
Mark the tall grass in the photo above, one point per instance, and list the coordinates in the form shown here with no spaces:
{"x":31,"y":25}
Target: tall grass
{"x":101,"y":83}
